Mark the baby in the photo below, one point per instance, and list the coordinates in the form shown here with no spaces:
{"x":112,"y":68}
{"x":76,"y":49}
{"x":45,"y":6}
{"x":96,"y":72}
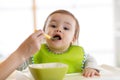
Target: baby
{"x":63,"y":27}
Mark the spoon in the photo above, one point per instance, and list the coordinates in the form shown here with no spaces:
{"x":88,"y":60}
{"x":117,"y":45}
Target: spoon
{"x":49,"y":37}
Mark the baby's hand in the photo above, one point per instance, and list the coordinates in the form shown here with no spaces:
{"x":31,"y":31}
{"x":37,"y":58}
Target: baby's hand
{"x":90,"y":72}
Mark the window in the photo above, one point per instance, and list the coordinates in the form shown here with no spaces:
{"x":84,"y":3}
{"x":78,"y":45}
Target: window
{"x":95,"y":18}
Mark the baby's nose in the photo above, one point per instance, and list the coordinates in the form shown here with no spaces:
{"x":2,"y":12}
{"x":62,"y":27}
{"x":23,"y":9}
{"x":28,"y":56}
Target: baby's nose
{"x":58,"y":30}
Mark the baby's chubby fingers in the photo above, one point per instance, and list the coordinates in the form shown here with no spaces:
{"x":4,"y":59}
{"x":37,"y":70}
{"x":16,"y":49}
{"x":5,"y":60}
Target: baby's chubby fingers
{"x":89,"y":72}
{"x":86,"y":74}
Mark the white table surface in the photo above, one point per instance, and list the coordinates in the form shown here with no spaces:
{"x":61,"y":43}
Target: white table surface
{"x":107,"y":73}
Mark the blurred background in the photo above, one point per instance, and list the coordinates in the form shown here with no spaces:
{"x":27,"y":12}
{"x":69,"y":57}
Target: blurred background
{"x":99,"y":25}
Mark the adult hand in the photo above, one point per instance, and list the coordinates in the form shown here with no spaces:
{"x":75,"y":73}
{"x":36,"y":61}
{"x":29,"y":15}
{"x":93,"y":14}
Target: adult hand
{"x":31,"y":45}
{"x":23,"y":52}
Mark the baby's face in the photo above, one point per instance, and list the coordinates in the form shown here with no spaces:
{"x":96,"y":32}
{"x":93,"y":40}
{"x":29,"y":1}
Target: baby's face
{"x":61,"y":27}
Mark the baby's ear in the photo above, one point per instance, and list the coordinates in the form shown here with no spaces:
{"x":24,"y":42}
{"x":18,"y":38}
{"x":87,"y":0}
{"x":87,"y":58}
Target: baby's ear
{"x":74,"y":39}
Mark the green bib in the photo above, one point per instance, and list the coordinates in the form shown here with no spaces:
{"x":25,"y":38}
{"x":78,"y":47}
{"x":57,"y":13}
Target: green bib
{"x":73,"y":57}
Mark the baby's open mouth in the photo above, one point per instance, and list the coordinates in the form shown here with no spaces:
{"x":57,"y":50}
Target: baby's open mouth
{"x":57,"y":37}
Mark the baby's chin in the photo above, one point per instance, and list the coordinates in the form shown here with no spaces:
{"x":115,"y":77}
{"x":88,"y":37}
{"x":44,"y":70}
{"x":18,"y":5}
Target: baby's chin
{"x":56,"y":47}
{"x":55,"y":43}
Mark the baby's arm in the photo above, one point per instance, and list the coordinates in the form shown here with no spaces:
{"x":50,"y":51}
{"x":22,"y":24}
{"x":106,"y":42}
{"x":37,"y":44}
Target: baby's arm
{"x":90,"y":69}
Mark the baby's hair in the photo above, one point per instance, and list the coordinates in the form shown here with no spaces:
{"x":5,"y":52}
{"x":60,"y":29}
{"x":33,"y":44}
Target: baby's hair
{"x":77,"y":30}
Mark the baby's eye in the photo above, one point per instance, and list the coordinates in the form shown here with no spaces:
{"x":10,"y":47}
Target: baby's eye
{"x":54,"y":26}
{"x":66,"y":28}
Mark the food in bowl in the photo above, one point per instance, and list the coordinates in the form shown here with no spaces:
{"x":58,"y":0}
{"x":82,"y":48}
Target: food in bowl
{"x":48,"y":71}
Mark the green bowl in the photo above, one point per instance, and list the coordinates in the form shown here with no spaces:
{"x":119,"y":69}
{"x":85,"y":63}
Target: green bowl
{"x":48,"y":71}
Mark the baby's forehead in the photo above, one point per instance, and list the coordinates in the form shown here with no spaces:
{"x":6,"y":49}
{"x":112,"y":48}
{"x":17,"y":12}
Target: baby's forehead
{"x":61,"y":17}
{"x":60,"y":14}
